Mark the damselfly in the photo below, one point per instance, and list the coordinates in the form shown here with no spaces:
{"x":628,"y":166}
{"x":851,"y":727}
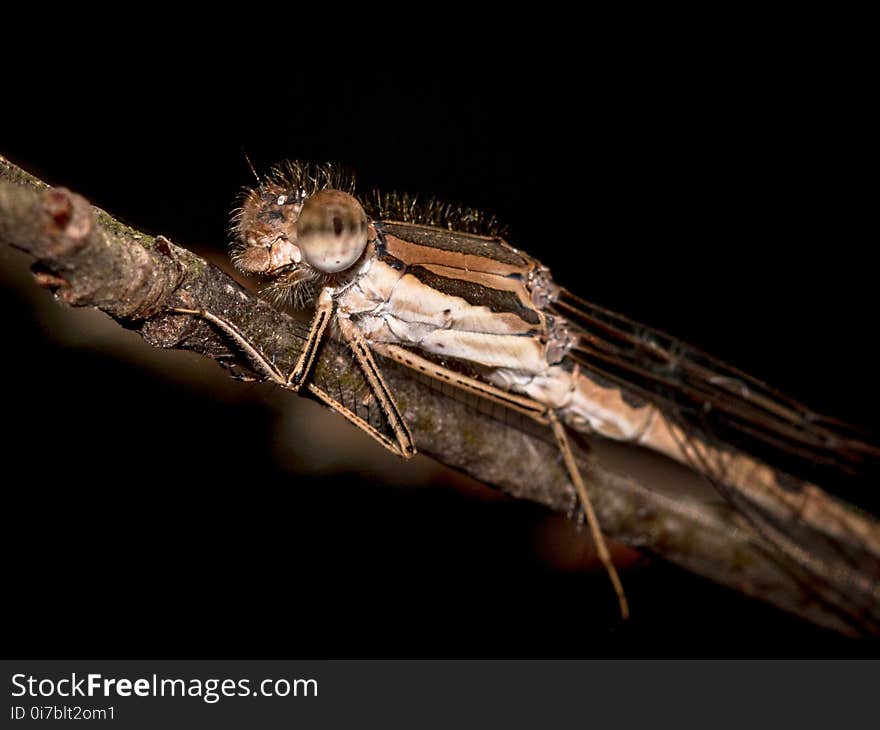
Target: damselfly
{"x":437,"y":290}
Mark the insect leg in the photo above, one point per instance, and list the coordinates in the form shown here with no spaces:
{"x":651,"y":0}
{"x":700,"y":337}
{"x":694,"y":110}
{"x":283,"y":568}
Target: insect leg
{"x":356,"y":420}
{"x":294,"y":380}
{"x":537,"y":412}
{"x":519,"y":403}
{"x":255,"y":356}
{"x":575,"y":475}
{"x":403,"y":446}
{"x":377,"y":384}
{"x":323,"y":314}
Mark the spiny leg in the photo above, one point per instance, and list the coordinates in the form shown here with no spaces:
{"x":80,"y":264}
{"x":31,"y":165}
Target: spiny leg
{"x":325,"y":308}
{"x":377,"y":385}
{"x":294,"y":380}
{"x":515,"y":402}
{"x":574,"y":474}
{"x":256,"y":357}
{"x":537,"y":412}
{"x":403,"y":446}
{"x":356,"y":420}
{"x":323,"y":314}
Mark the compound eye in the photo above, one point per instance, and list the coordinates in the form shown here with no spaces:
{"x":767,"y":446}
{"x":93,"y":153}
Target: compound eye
{"x":331,"y":230}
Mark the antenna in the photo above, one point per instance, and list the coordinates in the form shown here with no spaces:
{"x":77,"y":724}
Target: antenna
{"x":251,"y":166}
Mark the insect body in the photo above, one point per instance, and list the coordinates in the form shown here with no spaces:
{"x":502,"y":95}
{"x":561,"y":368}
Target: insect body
{"x":473,"y":311}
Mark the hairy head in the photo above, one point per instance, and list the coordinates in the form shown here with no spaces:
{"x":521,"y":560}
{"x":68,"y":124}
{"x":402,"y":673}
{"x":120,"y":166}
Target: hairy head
{"x":299,"y":226}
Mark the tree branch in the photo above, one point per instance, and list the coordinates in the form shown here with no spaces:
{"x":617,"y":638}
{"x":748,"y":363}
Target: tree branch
{"x":89,"y":259}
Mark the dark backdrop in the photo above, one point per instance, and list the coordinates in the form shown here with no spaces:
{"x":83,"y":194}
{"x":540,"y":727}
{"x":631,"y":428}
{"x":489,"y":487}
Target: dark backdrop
{"x":712,"y":193}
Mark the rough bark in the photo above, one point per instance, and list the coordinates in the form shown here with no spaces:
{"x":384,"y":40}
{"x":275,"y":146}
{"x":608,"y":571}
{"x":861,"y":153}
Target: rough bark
{"x":89,"y":259}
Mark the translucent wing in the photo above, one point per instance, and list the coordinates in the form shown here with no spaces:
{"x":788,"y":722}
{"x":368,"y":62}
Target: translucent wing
{"x":707,"y":396}
{"x":719,"y":411}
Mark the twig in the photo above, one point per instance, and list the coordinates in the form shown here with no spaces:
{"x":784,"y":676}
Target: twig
{"x":89,"y":259}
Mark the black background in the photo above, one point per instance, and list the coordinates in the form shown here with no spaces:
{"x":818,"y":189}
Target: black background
{"x":712,"y":188}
